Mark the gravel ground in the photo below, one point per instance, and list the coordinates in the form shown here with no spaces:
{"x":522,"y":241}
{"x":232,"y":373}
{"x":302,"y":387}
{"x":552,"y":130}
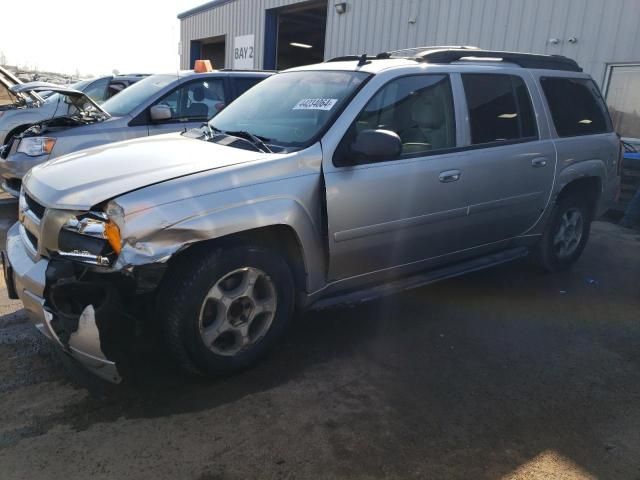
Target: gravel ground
{"x":502,"y":374}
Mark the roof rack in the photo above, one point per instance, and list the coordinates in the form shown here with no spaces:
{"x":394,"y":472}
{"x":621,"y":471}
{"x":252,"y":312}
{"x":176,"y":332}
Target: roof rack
{"x":414,"y":51}
{"x":359,"y":58}
{"x":449,"y":54}
{"x":525,"y":60}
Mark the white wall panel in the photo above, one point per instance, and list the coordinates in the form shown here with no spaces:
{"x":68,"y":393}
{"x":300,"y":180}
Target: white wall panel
{"x":608,"y":31}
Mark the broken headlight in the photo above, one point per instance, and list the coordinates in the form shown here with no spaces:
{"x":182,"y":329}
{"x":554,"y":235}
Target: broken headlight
{"x":92,"y":237}
{"x":36,"y":146}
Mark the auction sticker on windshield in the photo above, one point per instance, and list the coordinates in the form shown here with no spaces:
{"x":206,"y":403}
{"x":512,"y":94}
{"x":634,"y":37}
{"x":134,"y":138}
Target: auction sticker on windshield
{"x":316,"y":104}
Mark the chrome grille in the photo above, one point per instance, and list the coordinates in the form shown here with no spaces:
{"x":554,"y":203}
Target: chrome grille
{"x":35,"y":207}
{"x":32,"y":238}
{"x":31,"y":214}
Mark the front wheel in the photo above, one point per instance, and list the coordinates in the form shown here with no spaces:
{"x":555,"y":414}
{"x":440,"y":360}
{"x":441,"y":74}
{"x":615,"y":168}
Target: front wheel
{"x":225,"y":309}
{"x":566,"y":234}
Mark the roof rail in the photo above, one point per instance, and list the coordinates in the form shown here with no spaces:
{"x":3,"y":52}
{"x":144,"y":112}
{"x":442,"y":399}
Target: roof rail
{"x":449,"y":54}
{"x":525,"y":60}
{"x":413,"y":51}
{"x":359,"y":58}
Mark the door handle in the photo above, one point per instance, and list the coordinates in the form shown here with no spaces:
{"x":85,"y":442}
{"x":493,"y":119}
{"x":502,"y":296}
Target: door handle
{"x":539,"y":162}
{"x":450,"y":176}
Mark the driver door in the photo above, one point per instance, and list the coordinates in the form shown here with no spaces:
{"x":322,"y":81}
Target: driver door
{"x":397,"y":211}
{"x":191,"y":103}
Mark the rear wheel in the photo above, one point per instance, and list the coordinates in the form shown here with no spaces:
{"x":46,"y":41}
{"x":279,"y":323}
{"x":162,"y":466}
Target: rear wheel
{"x":566,"y":233}
{"x":224,"y":311}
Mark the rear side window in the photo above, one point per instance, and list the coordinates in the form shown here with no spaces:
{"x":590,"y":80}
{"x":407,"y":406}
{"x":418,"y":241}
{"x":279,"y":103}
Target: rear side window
{"x":577,"y":108}
{"x":243,"y":84}
{"x":499,"y":108}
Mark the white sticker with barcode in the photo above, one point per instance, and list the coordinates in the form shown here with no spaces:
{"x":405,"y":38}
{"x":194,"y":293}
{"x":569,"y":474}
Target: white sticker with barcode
{"x":316,"y":104}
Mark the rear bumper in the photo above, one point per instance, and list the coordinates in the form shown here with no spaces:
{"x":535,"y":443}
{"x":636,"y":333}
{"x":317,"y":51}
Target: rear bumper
{"x":610,"y":195}
{"x":28,"y":278}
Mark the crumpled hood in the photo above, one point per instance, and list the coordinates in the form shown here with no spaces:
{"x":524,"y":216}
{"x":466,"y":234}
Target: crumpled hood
{"x":82,"y":179}
{"x":15,"y":100}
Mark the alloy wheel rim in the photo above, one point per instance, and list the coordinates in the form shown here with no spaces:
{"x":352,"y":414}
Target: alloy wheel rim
{"x":238,"y":311}
{"x":569,"y":233}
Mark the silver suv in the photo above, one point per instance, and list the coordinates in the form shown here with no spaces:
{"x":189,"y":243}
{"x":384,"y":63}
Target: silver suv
{"x":330,"y":183}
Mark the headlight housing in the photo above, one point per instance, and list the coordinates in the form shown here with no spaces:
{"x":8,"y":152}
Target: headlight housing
{"x":36,"y":146}
{"x":92,"y":237}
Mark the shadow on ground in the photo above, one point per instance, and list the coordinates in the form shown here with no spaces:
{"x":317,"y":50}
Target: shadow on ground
{"x":469,"y":378}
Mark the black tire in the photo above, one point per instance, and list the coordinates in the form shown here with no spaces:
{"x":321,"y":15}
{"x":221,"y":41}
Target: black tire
{"x":183,"y":294}
{"x":547,"y":255}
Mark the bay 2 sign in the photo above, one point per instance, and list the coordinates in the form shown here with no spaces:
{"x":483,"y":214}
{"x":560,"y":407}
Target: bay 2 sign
{"x":243,"y":52}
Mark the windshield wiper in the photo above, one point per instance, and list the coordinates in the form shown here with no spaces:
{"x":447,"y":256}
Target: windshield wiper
{"x":256,"y":141}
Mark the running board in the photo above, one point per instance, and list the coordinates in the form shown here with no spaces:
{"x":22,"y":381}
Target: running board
{"x":361,"y":296}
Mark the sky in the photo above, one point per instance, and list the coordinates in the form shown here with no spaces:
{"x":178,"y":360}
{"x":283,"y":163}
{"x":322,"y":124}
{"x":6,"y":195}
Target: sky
{"x":93,"y":37}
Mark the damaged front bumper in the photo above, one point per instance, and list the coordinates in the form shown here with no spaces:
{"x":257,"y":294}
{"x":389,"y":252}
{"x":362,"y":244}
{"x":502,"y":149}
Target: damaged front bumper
{"x":28,"y":279}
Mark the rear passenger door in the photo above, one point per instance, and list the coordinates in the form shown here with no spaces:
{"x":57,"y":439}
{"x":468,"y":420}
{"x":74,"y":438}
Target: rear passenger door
{"x":581,"y":122}
{"x":510,"y":167}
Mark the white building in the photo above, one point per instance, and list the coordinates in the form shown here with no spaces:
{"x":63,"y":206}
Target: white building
{"x":602,"y":35}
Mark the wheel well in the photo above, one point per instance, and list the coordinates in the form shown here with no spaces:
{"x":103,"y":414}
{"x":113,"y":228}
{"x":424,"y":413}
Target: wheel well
{"x":281,"y":238}
{"x":589,"y":188}
{"x":15,"y":131}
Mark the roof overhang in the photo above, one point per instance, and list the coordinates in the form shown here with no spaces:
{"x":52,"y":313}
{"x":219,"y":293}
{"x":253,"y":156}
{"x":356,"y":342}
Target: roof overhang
{"x":203,"y":8}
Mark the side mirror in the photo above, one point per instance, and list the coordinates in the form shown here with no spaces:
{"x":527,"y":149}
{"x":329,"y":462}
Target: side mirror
{"x":375,"y":145}
{"x":160,"y":112}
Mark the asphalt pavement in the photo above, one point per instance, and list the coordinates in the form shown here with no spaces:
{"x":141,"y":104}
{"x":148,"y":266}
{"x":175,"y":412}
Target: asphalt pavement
{"x":503,"y":374}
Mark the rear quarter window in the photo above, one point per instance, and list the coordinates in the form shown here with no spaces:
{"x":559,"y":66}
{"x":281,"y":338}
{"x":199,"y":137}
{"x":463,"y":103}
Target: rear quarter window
{"x":576,"y":106}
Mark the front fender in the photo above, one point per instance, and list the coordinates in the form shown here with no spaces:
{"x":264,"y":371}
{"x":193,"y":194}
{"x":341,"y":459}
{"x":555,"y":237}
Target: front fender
{"x":164,"y":238}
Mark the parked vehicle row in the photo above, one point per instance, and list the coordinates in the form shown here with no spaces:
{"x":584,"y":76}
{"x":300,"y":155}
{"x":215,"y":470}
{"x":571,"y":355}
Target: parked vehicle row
{"x":23,"y":104}
{"x":330,"y":183}
{"x":154,"y":105}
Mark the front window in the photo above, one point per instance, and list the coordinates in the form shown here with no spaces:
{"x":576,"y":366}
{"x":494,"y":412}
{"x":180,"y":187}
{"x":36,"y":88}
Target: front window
{"x":125,"y":102}
{"x":197,"y":100}
{"x":290,"y":109}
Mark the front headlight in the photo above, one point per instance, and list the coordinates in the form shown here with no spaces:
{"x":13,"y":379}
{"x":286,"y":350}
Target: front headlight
{"x":36,"y":146}
{"x":91,"y":238}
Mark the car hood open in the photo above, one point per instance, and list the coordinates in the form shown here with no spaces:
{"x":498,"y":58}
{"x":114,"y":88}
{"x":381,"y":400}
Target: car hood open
{"x":82,"y":102}
{"x":15,"y":100}
{"x":79,"y":181}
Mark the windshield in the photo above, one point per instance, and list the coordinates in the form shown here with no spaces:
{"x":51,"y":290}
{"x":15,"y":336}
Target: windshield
{"x":292,"y":108}
{"x":124,"y":103}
